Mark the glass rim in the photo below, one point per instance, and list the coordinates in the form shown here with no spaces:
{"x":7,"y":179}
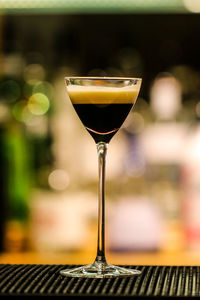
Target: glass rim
{"x":102,"y":78}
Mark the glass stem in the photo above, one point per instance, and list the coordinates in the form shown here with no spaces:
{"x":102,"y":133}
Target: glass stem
{"x":101,"y":150}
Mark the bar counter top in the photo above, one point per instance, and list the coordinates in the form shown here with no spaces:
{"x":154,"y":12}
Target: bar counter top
{"x":189,"y":258}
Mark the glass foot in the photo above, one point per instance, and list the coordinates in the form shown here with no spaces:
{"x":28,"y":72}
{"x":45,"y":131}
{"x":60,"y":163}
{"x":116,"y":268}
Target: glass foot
{"x":97,"y":270}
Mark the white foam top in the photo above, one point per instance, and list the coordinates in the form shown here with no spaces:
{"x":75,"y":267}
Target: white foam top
{"x":102,"y":94}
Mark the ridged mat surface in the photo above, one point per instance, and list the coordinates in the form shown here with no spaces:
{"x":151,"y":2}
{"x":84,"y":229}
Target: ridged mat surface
{"x":154,"y":282}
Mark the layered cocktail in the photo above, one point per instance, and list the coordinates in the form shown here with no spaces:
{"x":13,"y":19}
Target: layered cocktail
{"x":102,"y":105}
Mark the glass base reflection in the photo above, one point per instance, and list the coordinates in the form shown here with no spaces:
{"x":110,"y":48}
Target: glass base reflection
{"x":98,"y":270}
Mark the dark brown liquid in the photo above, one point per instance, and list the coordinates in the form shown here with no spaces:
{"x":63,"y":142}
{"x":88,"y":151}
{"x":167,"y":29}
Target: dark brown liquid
{"x":102,"y":120}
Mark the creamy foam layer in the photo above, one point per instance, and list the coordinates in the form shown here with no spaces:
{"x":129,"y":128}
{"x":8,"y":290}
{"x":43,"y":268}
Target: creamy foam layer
{"x":102,"y":95}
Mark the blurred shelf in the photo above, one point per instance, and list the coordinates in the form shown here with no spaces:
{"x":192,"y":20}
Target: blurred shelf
{"x":97,"y":6}
{"x":154,"y":258}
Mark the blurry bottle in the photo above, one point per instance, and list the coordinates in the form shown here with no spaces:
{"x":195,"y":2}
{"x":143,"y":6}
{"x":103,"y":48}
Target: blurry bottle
{"x":162,"y":143}
{"x":17,"y":153}
{"x":190,"y":183}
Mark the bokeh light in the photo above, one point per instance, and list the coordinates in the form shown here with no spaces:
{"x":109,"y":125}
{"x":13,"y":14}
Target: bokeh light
{"x":38,"y":104}
{"x":21,"y":112}
{"x":43,"y":87}
{"x":166,"y":96}
{"x":58,"y":179}
{"x":34,"y":73}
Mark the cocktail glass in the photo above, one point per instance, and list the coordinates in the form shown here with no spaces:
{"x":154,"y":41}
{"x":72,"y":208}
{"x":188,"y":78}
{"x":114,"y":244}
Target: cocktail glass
{"x":102,"y":104}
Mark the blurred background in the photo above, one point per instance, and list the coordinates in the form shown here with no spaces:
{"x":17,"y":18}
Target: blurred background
{"x":48,"y":178}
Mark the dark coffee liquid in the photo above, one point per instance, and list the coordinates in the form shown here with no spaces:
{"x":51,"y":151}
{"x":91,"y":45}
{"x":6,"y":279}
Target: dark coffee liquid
{"x":102,"y":120}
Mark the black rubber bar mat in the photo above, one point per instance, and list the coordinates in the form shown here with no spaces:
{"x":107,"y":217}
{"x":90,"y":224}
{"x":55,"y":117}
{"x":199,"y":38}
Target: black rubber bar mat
{"x":154,"y":282}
